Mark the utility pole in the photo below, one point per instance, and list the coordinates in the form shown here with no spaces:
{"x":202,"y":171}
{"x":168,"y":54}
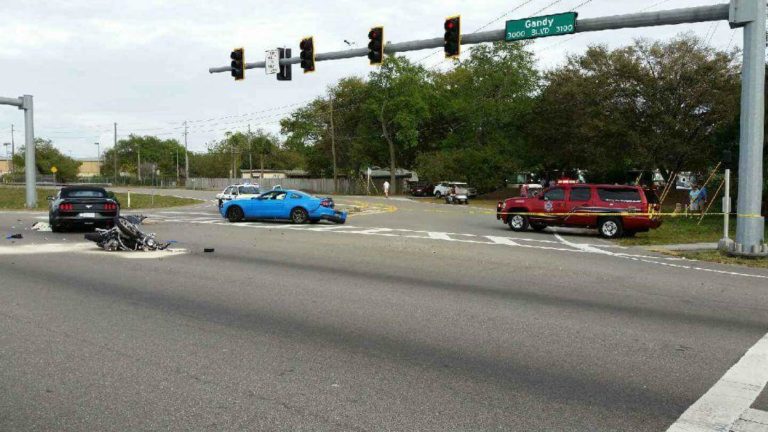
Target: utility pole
{"x":333,"y":147}
{"x":250,"y":150}
{"x":114,"y":149}
{"x":138,"y":167}
{"x":232,"y":147}
{"x":261,"y":158}
{"x":186,"y":153}
{"x":177,"y":166}
{"x":98,"y":155}
{"x":13,"y":151}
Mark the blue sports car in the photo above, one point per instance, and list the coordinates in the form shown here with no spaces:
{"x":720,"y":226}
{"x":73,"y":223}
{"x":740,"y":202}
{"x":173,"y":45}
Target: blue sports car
{"x":293,"y":205}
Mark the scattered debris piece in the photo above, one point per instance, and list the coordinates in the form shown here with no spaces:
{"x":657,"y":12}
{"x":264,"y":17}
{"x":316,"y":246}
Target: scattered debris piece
{"x":41,"y":226}
{"x":14,"y":236}
{"x":208,"y":250}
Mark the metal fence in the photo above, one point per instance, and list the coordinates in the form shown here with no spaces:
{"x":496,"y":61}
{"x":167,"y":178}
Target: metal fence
{"x":312,"y":185}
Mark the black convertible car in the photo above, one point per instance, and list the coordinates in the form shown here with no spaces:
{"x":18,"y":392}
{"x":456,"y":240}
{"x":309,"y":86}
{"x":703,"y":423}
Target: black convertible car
{"x":82,"y":207}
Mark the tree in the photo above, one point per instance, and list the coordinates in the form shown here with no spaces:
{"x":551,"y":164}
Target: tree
{"x":46,"y":157}
{"x":155,"y":153}
{"x":478,"y":114}
{"x":399,"y":97}
{"x":649,"y":105}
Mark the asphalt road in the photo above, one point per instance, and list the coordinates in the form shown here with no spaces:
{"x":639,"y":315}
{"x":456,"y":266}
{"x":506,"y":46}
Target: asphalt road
{"x":412,"y":316}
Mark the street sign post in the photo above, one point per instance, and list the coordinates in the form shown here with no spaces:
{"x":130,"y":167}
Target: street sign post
{"x":542,"y":26}
{"x":272,"y":62}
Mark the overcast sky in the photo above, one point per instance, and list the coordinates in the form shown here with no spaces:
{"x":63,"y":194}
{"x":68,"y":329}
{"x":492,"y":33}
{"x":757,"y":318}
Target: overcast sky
{"x":144,"y":63}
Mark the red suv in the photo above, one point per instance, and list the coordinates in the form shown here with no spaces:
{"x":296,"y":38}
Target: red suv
{"x":609,"y":208}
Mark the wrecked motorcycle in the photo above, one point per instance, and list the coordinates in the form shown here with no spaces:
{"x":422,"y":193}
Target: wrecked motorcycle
{"x":125,"y":235}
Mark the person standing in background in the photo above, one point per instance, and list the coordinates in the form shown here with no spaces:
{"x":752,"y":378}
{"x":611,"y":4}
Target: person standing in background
{"x":386,"y":189}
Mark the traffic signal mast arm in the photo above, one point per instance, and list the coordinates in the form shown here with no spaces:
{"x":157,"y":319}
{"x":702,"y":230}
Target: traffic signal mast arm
{"x":644,"y":19}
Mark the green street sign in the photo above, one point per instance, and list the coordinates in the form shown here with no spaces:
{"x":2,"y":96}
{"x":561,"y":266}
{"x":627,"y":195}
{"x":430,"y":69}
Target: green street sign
{"x":542,"y":26}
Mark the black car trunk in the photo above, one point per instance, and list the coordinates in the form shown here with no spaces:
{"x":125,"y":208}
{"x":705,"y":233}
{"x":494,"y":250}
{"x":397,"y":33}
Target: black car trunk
{"x":88,"y":205}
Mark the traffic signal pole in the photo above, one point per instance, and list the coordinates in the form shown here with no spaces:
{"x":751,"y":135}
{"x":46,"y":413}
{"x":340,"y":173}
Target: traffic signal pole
{"x":750,"y":224}
{"x":751,"y":14}
{"x":30,"y":169}
{"x":645,"y":19}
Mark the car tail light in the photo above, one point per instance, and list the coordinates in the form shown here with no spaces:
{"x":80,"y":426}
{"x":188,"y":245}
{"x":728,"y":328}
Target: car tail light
{"x":110,"y":206}
{"x":66,"y":207}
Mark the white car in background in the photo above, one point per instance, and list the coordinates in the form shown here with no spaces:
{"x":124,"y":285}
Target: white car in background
{"x":444,"y":188}
{"x":239,"y":191}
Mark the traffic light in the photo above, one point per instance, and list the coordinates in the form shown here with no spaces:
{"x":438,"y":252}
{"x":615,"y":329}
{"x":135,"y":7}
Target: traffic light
{"x":376,"y":45}
{"x":452,"y":39}
{"x":238,"y":63}
{"x":307,"y":55}
{"x":285,"y":70}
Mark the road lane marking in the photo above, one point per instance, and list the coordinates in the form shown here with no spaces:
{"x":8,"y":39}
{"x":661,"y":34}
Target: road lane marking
{"x":751,"y":420}
{"x":439,"y":236}
{"x":731,"y":396}
{"x":560,"y":244}
{"x":652,"y":260}
{"x":85,"y":248}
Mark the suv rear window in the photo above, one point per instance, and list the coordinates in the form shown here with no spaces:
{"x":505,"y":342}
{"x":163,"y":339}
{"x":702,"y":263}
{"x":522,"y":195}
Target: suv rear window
{"x":619,"y":194}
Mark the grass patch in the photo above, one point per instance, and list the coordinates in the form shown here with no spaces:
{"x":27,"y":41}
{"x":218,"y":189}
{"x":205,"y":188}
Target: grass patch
{"x":719,"y":257}
{"x":682,"y":229}
{"x":13,"y":198}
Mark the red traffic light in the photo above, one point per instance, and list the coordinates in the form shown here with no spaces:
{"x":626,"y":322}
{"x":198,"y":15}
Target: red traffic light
{"x":452,"y":38}
{"x":376,"y":45}
{"x":307,"y":54}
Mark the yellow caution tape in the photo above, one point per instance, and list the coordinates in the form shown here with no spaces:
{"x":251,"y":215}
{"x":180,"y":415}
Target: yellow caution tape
{"x":633,"y":214}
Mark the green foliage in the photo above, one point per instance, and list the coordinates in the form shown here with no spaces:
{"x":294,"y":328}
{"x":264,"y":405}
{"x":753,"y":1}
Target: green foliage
{"x":466,"y":122}
{"x":649,"y":105}
{"x":47,"y":156}
{"x":155,"y":153}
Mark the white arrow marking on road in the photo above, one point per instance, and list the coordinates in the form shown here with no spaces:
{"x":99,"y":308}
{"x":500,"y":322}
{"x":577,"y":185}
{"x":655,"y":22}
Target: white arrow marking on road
{"x":731,"y":396}
{"x":503,"y":240}
{"x":439,"y":236}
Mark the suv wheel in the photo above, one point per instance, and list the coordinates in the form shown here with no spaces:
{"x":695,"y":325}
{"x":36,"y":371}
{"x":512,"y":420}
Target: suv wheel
{"x":438,"y":195}
{"x":610,"y":228}
{"x":518,"y":222}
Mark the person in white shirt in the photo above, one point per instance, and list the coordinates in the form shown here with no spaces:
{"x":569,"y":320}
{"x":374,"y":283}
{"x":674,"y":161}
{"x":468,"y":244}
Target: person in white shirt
{"x":386,"y":189}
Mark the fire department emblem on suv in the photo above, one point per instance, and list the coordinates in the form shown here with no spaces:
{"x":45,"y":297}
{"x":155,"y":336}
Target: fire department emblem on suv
{"x":548,"y":206}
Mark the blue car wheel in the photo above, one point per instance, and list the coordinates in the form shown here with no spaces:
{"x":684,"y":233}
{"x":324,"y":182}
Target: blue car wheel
{"x":299,"y":215}
{"x":235,"y":214}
